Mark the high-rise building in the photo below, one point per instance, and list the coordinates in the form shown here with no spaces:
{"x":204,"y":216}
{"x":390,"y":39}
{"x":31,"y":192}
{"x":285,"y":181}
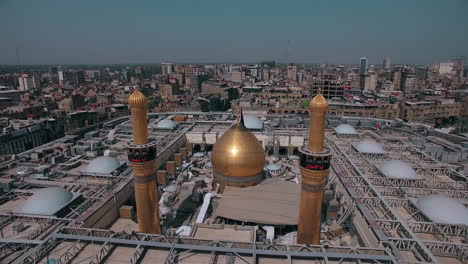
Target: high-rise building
{"x":369,"y":82}
{"x":28,"y":83}
{"x":266,"y":74}
{"x":254,"y":71}
{"x":80,"y":77}
{"x":386,"y":63}
{"x":139,"y":72}
{"x":421,"y":73}
{"x":396,"y":78}
{"x":292,"y":73}
{"x":407,"y":81}
{"x":363,"y":65}
{"x":60,"y":75}
{"x":167,"y":68}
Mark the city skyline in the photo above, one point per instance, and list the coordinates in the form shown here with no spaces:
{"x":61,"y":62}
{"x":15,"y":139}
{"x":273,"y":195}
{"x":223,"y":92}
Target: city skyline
{"x":52,"y":32}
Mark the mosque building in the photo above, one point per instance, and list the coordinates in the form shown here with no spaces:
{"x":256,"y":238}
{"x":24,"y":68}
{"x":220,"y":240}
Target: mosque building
{"x":257,"y":189}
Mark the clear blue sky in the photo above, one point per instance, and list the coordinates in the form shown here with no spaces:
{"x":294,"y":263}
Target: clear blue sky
{"x":331,"y":31}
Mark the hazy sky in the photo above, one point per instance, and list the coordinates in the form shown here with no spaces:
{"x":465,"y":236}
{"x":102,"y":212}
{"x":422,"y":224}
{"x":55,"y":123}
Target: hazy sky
{"x":331,"y":31}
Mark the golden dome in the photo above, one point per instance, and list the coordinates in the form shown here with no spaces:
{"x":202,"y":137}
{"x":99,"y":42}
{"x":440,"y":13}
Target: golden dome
{"x":137,"y":100}
{"x":238,"y":154}
{"x":318,"y":104}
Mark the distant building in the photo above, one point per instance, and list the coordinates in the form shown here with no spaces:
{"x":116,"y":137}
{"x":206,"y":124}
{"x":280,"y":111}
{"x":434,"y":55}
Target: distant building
{"x":369,"y":82}
{"x":407,"y":81}
{"x":386,"y":63}
{"x":167,"y":68}
{"x":92,"y":75}
{"x":396,"y":79}
{"x":430,"y":111}
{"x":17,"y":136}
{"x":169,"y":91}
{"x":60,"y":75}
{"x":69,"y":77}
{"x":292,"y":73}
{"x":195,"y":82}
{"x":254,"y":71}
{"x":220,"y":89}
{"x":180,"y":77}
{"x":363,"y":65}
{"x":266,"y":74}
{"x":446,"y":67}
{"x":420,"y":73}
{"x":237,"y":76}
{"x":6,"y":92}
{"x":29,"y":83}
{"x":72,"y":103}
{"x":330,"y":85}
{"x":80,"y":77}
{"x":80,"y":121}
{"x":459,"y":63}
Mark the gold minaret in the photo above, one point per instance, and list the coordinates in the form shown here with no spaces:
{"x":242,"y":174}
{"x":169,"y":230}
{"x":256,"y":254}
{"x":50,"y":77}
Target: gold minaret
{"x":314,"y":166}
{"x":142,"y":157}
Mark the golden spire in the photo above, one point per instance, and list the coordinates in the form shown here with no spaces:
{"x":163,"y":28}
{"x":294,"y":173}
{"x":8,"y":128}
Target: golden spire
{"x":318,"y":107}
{"x":137,"y":100}
{"x":138,"y":104}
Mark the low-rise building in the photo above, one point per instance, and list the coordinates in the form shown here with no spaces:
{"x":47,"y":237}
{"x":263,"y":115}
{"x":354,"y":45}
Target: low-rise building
{"x":430,"y":111}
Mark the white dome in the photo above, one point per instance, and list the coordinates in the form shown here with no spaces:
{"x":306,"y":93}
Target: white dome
{"x":166,"y":124}
{"x":443,"y":210}
{"x":172,"y":188}
{"x":369,"y":146}
{"x":345,"y":129}
{"x":103,"y":165}
{"x":198,"y":154}
{"x":399,"y":170}
{"x":273,"y":167}
{"x":252,"y":122}
{"x":46,"y":201}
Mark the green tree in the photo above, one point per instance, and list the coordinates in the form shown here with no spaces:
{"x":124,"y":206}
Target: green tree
{"x":305,"y":103}
{"x":153,"y":103}
{"x":92,"y":100}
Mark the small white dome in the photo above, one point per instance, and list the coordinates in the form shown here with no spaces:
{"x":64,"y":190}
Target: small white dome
{"x":273,"y":167}
{"x":370,"y":146}
{"x":166,"y":124}
{"x":103,"y":165}
{"x":46,"y":201}
{"x":398,"y":169}
{"x":345,"y":129}
{"x":172,"y":188}
{"x":443,"y":210}
{"x":198,"y":154}
{"x":252,"y":122}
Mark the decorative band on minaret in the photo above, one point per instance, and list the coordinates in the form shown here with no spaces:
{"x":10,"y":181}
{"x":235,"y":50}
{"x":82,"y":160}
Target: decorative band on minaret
{"x":314,"y":166}
{"x":142,"y":157}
